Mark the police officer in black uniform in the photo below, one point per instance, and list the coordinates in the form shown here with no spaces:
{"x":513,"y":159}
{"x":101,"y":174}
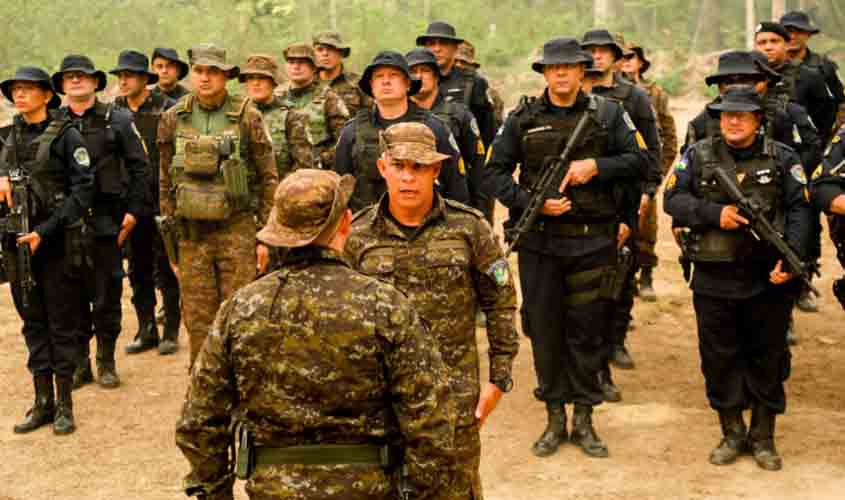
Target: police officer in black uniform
{"x":570,"y":252}
{"x":358,"y":147}
{"x":423,"y":65}
{"x":742,"y":291}
{"x":456,"y":84}
{"x":828,"y":195}
{"x":147,"y":258}
{"x":119,"y":161}
{"x":52,"y":154}
{"x":170,"y":71}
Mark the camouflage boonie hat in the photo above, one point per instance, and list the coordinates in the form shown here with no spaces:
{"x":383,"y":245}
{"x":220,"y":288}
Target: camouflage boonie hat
{"x":332,"y":39}
{"x":620,"y":40}
{"x":260,"y":64}
{"x":466,"y":54}
{"x":300,"y":51}
{"x":306,"y":203}
{"x":411,"y":141}
{"x":208,"y":54}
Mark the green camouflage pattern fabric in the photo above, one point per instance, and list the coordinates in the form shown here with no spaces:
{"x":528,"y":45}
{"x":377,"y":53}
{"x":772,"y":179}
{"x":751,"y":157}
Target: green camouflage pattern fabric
{"x":346,"y":86}
{"x":317,"y":353}
{"x":452,"y":265}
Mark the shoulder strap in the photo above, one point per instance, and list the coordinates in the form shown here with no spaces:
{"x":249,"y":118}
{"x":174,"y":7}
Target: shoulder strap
{"x":469,"y":82}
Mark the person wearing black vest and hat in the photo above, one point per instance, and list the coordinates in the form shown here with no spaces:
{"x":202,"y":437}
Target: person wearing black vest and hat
{"x":571,"y":250}
{"x":799,"y":83}
{"x":389,"y":82}
{"x":464,"y":127}
{"x":800,"y":30}
{"x":170,"y":70}
{"x":606,"y":51}
{"x":119,"y":160}
{"x":52,"y":154}
{"x":456,"y":84}
{"x":742,"y":291}
{"x":147,"y":259}
{"x":828,"y":195}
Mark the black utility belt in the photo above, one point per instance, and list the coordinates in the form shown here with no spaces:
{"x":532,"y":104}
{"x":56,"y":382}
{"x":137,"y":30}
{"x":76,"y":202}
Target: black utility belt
{"x":576,"y":229}
{"x":327,"y":454}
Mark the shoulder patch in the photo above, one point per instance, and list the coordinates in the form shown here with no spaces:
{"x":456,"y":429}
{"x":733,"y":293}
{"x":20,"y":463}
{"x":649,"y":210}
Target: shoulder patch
{"x":798,"y":174}
{"x":500,"y":272}
{"x":817,"y":172}
{"x":628,"y":121}
{"x":682,"y":164}
{"x":479,"y":148}
{"x":640,"y":141}
{"x":838,"y":137}
{"x":81,"y":156}
{"x":671,"y":182}
{"x":473,"y":125}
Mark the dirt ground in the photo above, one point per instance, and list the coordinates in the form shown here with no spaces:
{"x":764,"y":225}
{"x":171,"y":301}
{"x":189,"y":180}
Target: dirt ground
{"x":659,"y":436}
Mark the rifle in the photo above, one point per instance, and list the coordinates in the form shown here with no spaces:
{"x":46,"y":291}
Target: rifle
{"x":17,"y":223}
{"x":553,"y":175}
{"x":762,"y":229}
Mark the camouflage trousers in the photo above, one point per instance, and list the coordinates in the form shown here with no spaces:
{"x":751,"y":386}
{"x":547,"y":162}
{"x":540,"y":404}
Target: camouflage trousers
{"x":467,"y":481}
{"x":213,"y":264}
{"x":647,"y":237}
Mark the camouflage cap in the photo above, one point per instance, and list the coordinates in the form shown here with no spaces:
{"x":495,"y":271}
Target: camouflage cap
{"x":466,"y":53}
{"x":332,"y":39}
{"x":411,"y":141}
{"x":306,"y":203}
{"x":640,"y":52}
{"x":208,"y":54}
{"x":260,"y":64}
{"x":300,"y":51}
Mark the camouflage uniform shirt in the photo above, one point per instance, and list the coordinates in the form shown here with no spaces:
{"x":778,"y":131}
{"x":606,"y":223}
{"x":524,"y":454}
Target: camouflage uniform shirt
{"x":346,"y":86}
{"x":317,"y":353}
{"x":665,"y":122}
{"x":448,"y":266}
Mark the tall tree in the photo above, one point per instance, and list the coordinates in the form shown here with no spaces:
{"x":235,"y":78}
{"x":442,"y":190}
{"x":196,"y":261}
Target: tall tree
{"x":778,"y":9}
{"x":707,"y":37}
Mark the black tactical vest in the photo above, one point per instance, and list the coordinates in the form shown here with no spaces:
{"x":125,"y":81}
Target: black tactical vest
{"x":459,"y":90}
{"x":759,"y":178}
{"x":146,"y":120}
{"x":101,"y":139}
{"x":784,"y":91}
{"x":445,"y":111}
{"x":544,"y":136}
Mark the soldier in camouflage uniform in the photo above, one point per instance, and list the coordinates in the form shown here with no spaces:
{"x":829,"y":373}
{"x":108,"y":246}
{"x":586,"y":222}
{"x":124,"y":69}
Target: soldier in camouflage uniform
{"x":444,"y":256}
{"x":217,"y":174}
{"x":635,"y":66}
{"x":322,"y":368}
{"x":331,"y":51}
{"x":313,"y":114}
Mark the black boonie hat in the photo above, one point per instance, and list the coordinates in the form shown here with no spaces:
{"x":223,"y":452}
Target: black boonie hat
{"x":601,"y":37}
{"x":742,"y":98}
{"x":31,"y":74}
{"x":171,"y":55}
{"x":423,"y":56}
{"x":798,"y":20}
{"x":75,"y":62}
{"x":770,"y":27}
{"x":762,"y":62}
{"x":388,"y":58}
{"x":735,"y":63}
{"x":562,"y":51}
{"x":441,"y":30}
{"x":135,"y":62}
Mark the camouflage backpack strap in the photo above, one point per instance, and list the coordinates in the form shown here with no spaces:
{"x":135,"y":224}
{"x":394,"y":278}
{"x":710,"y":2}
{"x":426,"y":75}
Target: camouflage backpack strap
{"x":234,"y":113}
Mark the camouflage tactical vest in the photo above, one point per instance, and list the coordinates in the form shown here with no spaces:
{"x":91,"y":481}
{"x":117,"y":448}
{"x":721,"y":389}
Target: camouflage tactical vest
{"x":209,"y":171}
{"x":311,"y":108}
{"x":759,"y":178}
{"x":544,"y":136}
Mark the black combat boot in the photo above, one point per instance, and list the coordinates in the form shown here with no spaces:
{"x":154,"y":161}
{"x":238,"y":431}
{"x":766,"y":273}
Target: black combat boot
{"x":555,"y":433}
{"x":82,"y":374}
{"x":44,"y":409}
{"x":106,"y":372}
{"x":173,"y":316}
{"x":147,"y":336}
{"x":733,"y":442}
{"x":807,"y":301}
{"x":761,"y":438}
{"x":584,"y":436}
{"x":621,"y":358}
{"x":647,"y":293}
{"x":610,"y":393}
{"x":64,"y":424}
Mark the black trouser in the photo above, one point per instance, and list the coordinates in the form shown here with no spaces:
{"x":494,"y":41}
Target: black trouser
{"x":564,"y":316}
{"x":49,"y":321}
{"x":102,"y":288}
{"x":621,"y":307}
{"x":142,"y":261}
{"x":744,"y":355}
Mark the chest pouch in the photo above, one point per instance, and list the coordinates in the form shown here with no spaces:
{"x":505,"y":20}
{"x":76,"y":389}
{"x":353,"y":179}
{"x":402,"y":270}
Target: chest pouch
{"x":202,"y":156}
{"x":205,"y":201}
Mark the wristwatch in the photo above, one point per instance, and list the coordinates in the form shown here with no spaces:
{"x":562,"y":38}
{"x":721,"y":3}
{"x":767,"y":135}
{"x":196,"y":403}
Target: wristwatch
{"x":505,"y":385}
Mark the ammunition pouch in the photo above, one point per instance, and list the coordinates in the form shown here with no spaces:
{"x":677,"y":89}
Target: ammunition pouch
{"x":614,"y":278}
{"x":168,"y":229}
{"x":236,"y":179}
{"x":205,"y":202}
{"x":76,"y":242}
{"x":717,"y":245}
{"x":327,"y":454}
{"x":202,"y":157}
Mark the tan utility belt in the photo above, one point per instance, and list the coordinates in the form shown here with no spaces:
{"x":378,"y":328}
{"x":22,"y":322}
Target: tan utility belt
{"x":327,"y":454}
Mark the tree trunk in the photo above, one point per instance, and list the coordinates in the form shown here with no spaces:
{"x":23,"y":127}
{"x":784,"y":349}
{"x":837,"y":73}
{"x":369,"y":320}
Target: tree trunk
{"x":750,"y":23}
{"x":601,"y":12}
{"x":333,"y":14}
{"x":778,"y":9}
{"x":707,"y":37}
{"x":427,"y":10}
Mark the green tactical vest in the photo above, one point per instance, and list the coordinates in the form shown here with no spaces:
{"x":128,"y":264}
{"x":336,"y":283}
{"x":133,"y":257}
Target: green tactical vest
{"x":209,"y":169}
{"x":311,"y":104}
{"x":543,"y":138}
{"x":758,"y":178}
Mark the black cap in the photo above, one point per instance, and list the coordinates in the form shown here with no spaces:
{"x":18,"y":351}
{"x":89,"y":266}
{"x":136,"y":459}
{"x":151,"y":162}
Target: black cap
{"x":135,"y":62}
{"x":388,"y":58}
{"x":31,"y":74}
{"x":735,"y":63}
{"x":441,"y":30}
{"x":762,"y":62}
{"x":422,"y":56}
{"x":742,"y":98}
{"x":75,"y":62}
{"x":172,"y":55}
{"x":799,"y":21}
{"x":562,"y":51}
{"x":770,"y":27}
{"x":600,"y":38}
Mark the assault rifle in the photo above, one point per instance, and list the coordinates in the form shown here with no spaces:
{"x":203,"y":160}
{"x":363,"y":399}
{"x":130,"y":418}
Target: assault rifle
{"x":15,"y":223}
